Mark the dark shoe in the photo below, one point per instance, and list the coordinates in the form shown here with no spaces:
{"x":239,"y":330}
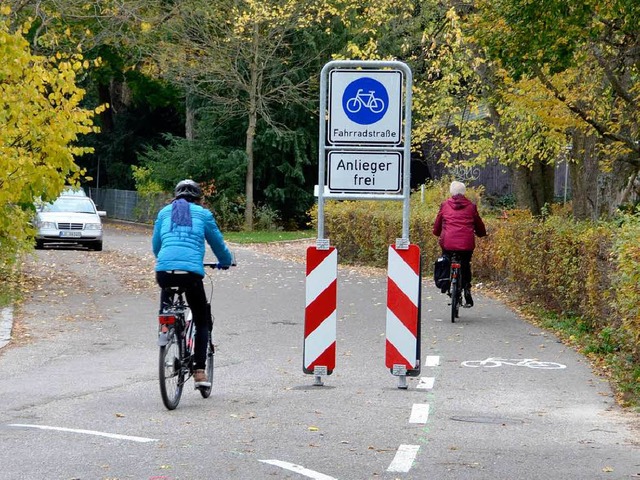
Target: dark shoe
{"x":468,"y":298}
{"x":200,"y":379}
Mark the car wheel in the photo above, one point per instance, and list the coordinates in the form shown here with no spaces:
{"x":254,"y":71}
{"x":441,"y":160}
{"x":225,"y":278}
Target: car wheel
{"x":97,"y":246}
{"x":39,"y":244}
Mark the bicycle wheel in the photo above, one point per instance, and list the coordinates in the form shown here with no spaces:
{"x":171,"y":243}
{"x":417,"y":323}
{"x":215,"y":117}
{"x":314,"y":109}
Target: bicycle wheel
{"x":544,"y":365}
{"x":354,"y":105}
{"x":455,"y":305}
{"x":171,"y":372}
{"x":377,"y":105}
{"x":206,"y":391}
{"x":482,"y":363}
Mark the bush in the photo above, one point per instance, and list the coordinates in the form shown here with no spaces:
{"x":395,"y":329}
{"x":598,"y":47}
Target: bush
{"x":626,"y":279}
{"x":265,"y":218}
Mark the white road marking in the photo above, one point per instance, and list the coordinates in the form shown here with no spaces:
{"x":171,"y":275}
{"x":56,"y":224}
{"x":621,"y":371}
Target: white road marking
{"x":419,"y":413}
{"x":87,"y":432}
{"x":432,"y":361}
{"x":426,"y":383}
{"x":404,"y":458}
{"x":298,"y":469}
{"x":6,"y":322}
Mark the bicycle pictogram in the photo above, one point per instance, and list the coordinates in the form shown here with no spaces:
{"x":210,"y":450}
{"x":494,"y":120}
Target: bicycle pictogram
{"x":492,"y":362}
{"x":366,"y":100}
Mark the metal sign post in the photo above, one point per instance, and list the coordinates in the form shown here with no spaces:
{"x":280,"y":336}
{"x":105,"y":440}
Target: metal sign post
{"x":365,"y":145}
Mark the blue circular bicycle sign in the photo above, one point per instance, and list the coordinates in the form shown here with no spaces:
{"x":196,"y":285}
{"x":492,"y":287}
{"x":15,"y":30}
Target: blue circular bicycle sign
{"x":365,"y":107}
{"x":365,"y":101}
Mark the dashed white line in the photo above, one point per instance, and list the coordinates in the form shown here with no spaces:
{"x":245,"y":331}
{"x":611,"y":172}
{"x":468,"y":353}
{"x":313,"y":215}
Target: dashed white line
{"x":298,"y":469}
{"x":86,"y":432}
{"x":404,"y":458}
{"x":426,"y":383}
{"x":432,"y":361}
{"x":419,"y":413}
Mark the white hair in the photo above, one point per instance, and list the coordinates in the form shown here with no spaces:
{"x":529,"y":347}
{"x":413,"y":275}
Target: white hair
{"x":457,"y":188}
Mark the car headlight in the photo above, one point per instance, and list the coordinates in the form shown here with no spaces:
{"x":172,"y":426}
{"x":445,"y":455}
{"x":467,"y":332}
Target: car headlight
{"x":47,"y":225}
{"x":93,"y":226}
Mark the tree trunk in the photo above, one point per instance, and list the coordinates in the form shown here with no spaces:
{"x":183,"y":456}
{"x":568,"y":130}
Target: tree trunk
{"x":251,"y":133}
{"x":534,"y":187}
{"x":248,"y":212}
{"x":584,"y":169}
{"x":190,"y":118}
{"x":106,"y":117}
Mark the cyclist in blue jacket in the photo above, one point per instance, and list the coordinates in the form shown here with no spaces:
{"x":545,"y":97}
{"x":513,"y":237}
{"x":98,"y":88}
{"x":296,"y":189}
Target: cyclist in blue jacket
{"x":179,"y":236}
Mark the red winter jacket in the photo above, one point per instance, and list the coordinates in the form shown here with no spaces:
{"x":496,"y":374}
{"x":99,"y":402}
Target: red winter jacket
{"x":457,"y":223}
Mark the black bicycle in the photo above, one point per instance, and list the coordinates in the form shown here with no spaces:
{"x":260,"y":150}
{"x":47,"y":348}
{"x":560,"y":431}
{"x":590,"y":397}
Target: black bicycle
{"x":176,"y":338}
{"x":455,"y":287}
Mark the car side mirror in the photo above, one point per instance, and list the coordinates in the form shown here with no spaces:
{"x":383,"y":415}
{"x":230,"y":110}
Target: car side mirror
{"x":102,"y":213}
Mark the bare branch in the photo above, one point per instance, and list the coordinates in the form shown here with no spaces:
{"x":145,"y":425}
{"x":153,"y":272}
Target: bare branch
{"x":613,"y":79}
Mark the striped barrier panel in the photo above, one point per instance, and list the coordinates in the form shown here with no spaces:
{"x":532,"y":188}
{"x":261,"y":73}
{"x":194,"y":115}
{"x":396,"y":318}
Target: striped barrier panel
{"x":403,"y":311}
{"x":319,"y":354}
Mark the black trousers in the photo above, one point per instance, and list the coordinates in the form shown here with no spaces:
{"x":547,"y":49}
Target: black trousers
{"x":200,"y":308}
{"x":465,"y":264}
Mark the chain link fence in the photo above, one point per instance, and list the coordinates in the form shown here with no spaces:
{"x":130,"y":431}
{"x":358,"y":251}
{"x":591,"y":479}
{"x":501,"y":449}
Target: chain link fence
{"x":129,"y":205}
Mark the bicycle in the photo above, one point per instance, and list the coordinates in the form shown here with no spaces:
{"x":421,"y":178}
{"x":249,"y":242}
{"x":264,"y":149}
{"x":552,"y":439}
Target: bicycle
{"x":455,"y":287}
{"x":176,"y":338}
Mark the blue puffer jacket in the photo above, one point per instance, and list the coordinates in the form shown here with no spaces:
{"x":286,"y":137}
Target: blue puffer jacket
{"x":179,"y":247}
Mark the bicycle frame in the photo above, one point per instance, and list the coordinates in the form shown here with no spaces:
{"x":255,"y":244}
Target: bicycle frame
{"x":455,"y":287}
{"x":173,"y":321}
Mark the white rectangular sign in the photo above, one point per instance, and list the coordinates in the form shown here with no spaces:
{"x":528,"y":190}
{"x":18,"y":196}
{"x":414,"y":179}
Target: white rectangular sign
{"x":365,"y":107}
{"x":350,"y":171}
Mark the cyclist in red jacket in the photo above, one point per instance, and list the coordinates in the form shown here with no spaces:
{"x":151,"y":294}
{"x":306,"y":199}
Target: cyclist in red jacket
{"x":457,"y":224}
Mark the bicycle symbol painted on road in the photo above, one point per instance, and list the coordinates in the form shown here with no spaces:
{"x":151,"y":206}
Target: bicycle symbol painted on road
{"x":365,"y":101}
{"x":492,"y":362}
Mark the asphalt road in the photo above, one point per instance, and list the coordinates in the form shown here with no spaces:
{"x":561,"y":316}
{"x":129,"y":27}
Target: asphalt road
{"x":80,"y":398}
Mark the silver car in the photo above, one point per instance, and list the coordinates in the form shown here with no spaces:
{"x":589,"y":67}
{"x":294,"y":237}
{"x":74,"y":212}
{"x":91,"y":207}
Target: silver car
{"x":71,"y":219}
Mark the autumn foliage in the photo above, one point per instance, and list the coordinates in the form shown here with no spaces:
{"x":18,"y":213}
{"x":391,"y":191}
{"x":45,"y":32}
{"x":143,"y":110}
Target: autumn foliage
{"x":40,"y":122}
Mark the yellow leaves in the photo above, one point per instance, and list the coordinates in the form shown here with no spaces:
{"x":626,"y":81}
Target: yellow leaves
{"x":5,"y":10}
{"x":39,"y":109}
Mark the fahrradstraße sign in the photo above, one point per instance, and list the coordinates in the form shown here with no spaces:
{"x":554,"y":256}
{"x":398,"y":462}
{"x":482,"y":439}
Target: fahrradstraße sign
{"x":363,"y":154}
{"x":365,"y":107}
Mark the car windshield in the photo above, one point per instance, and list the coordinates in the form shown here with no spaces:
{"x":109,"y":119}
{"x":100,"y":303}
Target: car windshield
{"x":74,"y":191}
{"x":70,"y":204}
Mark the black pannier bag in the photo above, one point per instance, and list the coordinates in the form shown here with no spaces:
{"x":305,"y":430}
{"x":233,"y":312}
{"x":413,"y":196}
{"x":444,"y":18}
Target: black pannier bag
{"x":441,"y":273}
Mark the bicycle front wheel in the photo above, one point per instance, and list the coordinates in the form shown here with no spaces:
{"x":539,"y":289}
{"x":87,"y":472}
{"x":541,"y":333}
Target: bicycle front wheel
{"x":171,"y":372}
{"x":455,"y":301}
{"x":206,"y":391}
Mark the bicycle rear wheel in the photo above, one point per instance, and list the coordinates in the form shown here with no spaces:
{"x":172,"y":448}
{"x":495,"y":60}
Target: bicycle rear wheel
{"x":455,"y":301}
{"x":206,"y":391}
{"x":171,"y":372}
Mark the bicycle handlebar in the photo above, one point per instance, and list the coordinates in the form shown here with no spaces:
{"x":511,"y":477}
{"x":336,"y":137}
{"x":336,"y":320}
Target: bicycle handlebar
{"x":217,"y":266}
